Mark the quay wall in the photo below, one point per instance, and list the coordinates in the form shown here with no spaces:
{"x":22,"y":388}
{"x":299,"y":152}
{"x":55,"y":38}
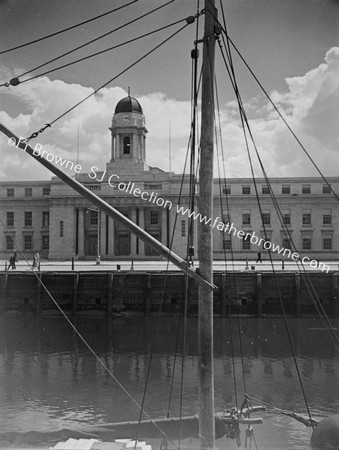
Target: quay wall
{"x":115,"y":292}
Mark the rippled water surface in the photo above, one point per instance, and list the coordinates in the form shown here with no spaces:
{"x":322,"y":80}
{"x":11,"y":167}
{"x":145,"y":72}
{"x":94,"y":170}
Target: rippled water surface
{"x":49,"y":380}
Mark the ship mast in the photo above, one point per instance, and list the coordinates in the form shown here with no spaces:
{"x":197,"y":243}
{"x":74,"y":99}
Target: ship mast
{"x":205,"y":247}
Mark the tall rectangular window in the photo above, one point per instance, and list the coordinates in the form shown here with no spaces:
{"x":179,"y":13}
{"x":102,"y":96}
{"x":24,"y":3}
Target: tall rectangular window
{"x":226,"y":243}
{"x":10,"y":218}
{"x":326,"y":189}
{"x":246,"y":217}
{"x":265,"y":190}
{"x":286,"y":189}
{"x":266,"y":217}
{"x":46,"y":190}
{"x":306,"y":188}
{"x":246,"y":190}
{"x":154,"y":217}
{"x":61,"y":228}
{"x":9,"y":243}
{"x":183,"y":228}
{"x":327,"y":242}
{"x":28,"y":192}
{"x":286,"y":243}
{"x":227,"y":189}
{"x":10,"y":192}
{"x":286,"y":215}
{"x":307,"y":243}
{"x":226,"y":216}
{"x":28,"y":242}
{"x":94,"y":217}
{"x":327,"y":217}
{"x":45,"y":242}
{"x":246,"y":243}
{"x":45,"y":218}
{"x":28,"y":218}
{"x":306,"y":217}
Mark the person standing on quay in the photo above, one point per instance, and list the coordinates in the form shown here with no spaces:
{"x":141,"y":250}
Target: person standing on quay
{"x":12,"y":261}
{"x":259,"y":257}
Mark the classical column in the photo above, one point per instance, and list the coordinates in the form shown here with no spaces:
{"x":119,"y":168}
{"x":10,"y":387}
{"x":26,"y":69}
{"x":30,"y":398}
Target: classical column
{"x":133,"y":237}
{"x":81,"y":233}
{"x":141,"y":225}
{"x":163,"y":237}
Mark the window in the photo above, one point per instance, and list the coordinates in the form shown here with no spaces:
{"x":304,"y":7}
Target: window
{"x":10,"y":192}
{"x":246,"y":243}
{"x":286,"y":243}
{"x":46,"y":190}
{"x":306,"y":217}
{"x":93,"y":187}
{"x":227,"y":189}
{"x":28,"y":192}
{"x":326,"y":189}
{"x":306,"y":243}
{"x":246,"y":217}
{"x":154,"y":217}
{"x":286,"y":216}
{"x":10,"y":219}
{"x":286,"y":189}
{"x":306,"y":188}
{"x":127,"y":145}
{"x":265,"y":190}
{"x":153,"y":186}
{"x":28,"y":219}
{"x":183,"y":228}
{"x":226,"y":216}
{"x":226,"y":243}
{"x":246,"y":190}
{"x":45,"y":218}
{"x":327,"y":217}
{"x":61,"y":228}
{"x":28,"y":242}
{"x":45,"y":242}
{"x":94,"y":217}
{"x":266,"y":217}
{"x":9,"y":243}
{"x":327,"y":242}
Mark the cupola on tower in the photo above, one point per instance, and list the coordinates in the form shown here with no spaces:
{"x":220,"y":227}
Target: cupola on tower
{"x":128,"y":137}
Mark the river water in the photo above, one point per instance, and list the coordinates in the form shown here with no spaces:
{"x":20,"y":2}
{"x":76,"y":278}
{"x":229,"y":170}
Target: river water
{"x":49,"y":380}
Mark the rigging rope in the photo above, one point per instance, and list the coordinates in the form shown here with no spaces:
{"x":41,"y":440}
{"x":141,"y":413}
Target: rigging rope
{"x":224,"y":30}
{"x":15,"y":81}
{"x":88,"y":346}
{"x":34,"y":135}
{"x":67,"y":29}
{"x":244,"y":121}
{"x":114,"y":47}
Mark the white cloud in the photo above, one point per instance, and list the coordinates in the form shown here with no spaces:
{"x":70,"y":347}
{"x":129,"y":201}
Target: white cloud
{"x":310,"y":105}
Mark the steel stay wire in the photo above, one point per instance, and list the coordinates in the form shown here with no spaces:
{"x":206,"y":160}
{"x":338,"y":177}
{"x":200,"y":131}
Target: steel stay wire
{"x":93,"y":54}
{"x":243,"y":121}
{"x":223,"y":29}
{"x":67,"y":29}
{"x":34,"y":135}
{"x":88,"y":43}
{"x":159,"y":314}
{"x":92,"y":351}
{"x":305,"y":275}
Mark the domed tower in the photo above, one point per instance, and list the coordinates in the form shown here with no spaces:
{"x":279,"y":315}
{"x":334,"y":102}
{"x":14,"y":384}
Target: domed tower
{"x":128,"y":136}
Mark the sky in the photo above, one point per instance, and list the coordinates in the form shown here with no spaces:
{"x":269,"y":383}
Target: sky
{"x":292,"y":46}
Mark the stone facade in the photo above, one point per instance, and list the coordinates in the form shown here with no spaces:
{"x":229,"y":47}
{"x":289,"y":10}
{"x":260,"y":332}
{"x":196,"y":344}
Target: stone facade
{"x":51,"y":218}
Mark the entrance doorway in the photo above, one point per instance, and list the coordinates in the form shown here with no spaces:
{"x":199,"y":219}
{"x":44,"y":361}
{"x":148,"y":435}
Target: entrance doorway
{"x":122,"y":243}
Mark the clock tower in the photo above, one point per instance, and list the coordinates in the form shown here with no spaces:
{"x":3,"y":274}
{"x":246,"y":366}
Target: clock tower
{"x":128,"y":137}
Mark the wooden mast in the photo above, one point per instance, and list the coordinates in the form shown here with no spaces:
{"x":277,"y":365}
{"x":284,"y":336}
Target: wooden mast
{"x":205,"y":247}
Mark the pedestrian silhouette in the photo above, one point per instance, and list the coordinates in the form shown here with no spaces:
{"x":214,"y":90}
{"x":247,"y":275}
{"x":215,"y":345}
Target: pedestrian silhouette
{"x":259,"y":257}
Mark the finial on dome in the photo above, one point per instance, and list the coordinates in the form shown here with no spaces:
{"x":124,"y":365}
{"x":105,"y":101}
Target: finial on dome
{"x":129,"y":91}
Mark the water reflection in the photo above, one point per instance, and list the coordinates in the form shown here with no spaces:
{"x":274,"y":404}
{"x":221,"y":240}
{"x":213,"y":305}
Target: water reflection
{"x":49,"y":379}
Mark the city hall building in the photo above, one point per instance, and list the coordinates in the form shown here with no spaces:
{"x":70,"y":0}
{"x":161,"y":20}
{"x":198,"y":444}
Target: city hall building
{"x":51,"y":218}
